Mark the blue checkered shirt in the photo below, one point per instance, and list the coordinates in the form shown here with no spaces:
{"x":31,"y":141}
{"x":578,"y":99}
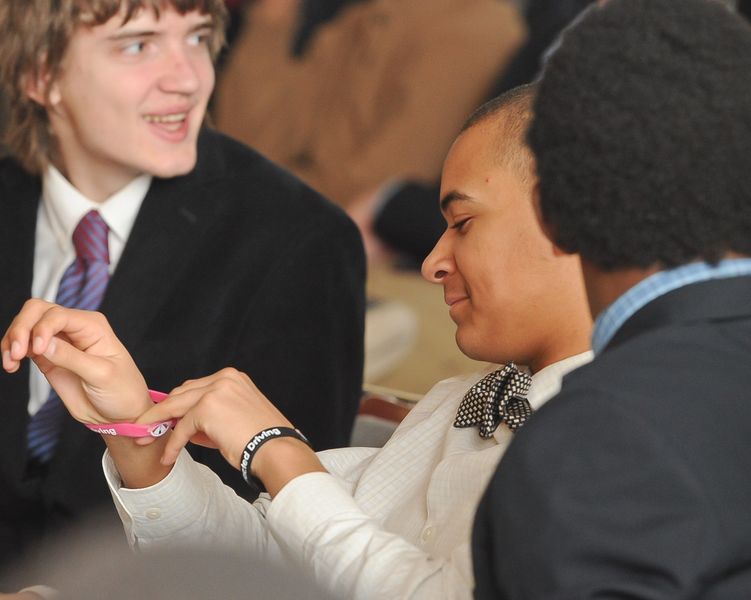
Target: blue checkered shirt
{"x":614,"y":316}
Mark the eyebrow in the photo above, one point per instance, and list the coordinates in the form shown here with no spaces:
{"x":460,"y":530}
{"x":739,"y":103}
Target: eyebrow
{"x":454,"y":196}
{"x":207,"y":23}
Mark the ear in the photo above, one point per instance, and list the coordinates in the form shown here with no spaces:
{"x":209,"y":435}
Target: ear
{"x":547,"y":229}
{"x":39,"y":86}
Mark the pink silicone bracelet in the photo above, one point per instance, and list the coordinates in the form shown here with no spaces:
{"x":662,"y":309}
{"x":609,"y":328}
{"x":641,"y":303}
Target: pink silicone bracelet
{"x":134,"y":429}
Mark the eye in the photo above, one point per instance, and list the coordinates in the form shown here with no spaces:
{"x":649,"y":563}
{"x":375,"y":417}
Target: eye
{"x":459,"y":225}
{"x":199,"y":38}
{"x":134,"y":48}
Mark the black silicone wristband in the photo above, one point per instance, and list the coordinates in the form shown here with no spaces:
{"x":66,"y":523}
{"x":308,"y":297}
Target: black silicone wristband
{"x":259,"y":439}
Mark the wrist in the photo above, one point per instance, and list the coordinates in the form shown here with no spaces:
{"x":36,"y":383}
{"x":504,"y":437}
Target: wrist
{"x":136,"y":430}
{"x":275,"y":455}
{"x":282,"y":460}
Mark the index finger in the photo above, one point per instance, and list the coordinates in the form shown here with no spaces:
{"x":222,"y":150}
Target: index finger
{"x":16,"y":341}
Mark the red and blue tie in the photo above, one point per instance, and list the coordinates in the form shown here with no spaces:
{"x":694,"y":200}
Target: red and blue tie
{"x":82,"y":286}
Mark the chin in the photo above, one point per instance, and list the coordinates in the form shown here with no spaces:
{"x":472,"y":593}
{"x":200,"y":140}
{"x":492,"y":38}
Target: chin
{"x":485,"y":349}
{"x":470,"y":346}
{"x":173,"y":168}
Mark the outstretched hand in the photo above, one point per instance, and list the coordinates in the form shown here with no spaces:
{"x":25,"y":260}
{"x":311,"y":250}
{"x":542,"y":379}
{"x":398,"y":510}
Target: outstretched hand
{"x":81,"y":357}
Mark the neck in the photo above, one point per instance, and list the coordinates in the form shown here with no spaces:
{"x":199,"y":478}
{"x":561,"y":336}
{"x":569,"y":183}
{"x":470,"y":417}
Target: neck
{"x":605,"y":287}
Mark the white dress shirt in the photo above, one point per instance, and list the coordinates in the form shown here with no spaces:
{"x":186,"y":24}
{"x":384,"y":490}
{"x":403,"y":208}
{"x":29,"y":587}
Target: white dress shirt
{"x":391,"y":522}
{"x":61,"y":209}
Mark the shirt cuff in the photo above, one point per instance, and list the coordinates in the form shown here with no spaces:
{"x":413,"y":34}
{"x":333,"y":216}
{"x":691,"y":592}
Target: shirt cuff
{"x":158,"y":511}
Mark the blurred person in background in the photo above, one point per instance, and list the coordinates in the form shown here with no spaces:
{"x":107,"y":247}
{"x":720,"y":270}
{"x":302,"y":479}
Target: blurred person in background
{"x":364,"y":91}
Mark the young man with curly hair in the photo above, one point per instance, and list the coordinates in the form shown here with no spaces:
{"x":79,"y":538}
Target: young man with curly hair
{"x":209,"y":254}
{"x":634,"y":481}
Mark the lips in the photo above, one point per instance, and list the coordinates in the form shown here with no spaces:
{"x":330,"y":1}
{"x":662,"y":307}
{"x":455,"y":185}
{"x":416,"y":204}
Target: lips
{"x":172,"y":125}
{"x":451,"y":300}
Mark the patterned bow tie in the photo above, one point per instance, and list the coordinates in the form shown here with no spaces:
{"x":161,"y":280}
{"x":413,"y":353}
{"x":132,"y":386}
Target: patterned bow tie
{"x":499,"y":396}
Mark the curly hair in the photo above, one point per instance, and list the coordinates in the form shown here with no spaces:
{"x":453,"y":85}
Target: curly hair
{"x":34,"y":36}
{"x":642,"y":134}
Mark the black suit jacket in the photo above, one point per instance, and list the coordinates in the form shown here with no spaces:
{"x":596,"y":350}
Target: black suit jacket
{"x":634,"y":482}
{"x":235,"y":264}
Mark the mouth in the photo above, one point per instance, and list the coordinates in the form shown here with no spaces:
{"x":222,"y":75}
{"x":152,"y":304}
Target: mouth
{"x":173,"y":125}
{"x":453,"y":300}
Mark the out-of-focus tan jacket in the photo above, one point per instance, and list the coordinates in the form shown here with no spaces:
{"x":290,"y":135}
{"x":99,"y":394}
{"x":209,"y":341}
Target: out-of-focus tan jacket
{"x":380,"y":93}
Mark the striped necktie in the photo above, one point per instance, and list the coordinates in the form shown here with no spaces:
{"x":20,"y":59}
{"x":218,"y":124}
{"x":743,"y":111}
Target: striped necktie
{"x":82,"y":286}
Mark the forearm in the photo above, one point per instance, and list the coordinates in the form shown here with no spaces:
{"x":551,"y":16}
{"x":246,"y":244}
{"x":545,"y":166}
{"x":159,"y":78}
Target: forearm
{"x":189,"y":506}
{"x":320,"y":525}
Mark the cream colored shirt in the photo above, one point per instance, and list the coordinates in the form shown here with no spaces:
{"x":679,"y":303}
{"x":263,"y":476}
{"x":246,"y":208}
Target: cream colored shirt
{"x":61,"y":209}
{"x":391,"y":522}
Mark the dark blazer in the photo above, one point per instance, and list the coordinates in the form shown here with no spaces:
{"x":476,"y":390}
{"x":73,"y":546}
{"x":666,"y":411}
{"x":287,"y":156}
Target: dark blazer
{"x":635,"y":481}
{"x":235,"y":264}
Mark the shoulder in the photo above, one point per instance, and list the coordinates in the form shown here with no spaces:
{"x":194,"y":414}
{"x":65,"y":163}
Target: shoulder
{"x":246,"y":183}
{"x":12,"y":174}
{"x":18,"y":187}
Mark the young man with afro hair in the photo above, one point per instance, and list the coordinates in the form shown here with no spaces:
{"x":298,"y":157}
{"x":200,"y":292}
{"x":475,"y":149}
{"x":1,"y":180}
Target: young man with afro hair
{"x":634,"y":481}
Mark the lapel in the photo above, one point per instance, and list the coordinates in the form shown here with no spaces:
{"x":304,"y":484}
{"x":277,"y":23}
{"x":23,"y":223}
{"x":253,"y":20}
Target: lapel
{"x":165,"y":235}
{"x":19,"y":200}
{"x":720,"y":299}
{"x":174,"y":216}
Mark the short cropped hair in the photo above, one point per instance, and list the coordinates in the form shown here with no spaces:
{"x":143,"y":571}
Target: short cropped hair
{"x":34,"y":36}
{"x":642,"y":135}
{"x":512,"y":113}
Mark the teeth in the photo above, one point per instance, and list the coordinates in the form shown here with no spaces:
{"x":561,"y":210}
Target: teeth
{"x":174,"y":118}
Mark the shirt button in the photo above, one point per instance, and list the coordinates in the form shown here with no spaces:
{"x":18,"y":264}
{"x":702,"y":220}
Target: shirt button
{"x":427,"y":534}
{"x":153,"y":514}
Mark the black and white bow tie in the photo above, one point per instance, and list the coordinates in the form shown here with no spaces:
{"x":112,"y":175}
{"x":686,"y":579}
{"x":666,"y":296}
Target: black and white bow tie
{"x":499,"y":396}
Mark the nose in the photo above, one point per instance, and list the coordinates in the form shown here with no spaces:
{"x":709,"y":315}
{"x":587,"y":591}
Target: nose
{"x":182,"y":72}
{"x":440,"y":262}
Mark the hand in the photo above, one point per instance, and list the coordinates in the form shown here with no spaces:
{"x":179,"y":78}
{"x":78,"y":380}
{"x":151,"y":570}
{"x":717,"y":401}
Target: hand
{"x":21,"y":596}
{"x":82,"y":359}
{"x":225,"y":410}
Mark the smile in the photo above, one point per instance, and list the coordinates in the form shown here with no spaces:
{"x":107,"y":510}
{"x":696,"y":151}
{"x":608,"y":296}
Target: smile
{"x":172,"y":127}
{"x":173,"y":118}
{"x":452,"y":301}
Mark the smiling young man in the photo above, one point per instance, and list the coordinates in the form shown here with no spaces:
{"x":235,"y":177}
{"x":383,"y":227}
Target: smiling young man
{"x":384,"y":523}
{"x":200,"y":252}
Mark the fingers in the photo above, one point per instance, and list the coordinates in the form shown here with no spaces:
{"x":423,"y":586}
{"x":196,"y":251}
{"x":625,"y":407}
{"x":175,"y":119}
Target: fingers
{"x":39,"y":322}
{"x":228,"y":373}
{"x":222,"y":410}
{"x":185,"y":429}
{"x":60,"y":353}
{"x":175,"y":406}
{"x":17,"y":339}
{"x":68,"y":387}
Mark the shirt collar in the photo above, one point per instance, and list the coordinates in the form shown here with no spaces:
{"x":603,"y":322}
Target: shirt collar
{"x":614,"y":316}
{"x":66,"y":206}
{"x":546,"y":383}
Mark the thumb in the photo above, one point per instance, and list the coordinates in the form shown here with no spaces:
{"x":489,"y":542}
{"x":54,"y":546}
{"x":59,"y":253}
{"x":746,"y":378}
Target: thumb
{"x":93,"y":370}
